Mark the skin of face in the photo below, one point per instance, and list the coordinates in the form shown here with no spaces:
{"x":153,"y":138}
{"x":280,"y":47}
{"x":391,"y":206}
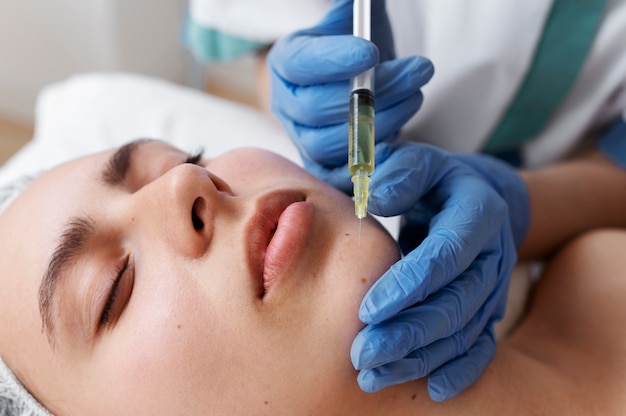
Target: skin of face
{"x":191,"y":329}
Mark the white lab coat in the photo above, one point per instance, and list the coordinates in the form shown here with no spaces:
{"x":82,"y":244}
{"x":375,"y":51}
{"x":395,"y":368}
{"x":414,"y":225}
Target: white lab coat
{"x":481,"y":50}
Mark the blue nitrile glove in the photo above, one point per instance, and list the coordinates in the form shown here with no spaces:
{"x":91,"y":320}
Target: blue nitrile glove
{"x":432,"y":313}
{"x":612,"y":143}
{"x":310,"y":73}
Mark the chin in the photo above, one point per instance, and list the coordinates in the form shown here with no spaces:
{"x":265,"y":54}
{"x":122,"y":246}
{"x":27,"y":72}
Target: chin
{"x":366,"y":262}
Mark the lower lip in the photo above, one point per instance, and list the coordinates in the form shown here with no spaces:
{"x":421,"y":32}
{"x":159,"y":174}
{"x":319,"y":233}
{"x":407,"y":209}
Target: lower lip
{"x":287,"y":244}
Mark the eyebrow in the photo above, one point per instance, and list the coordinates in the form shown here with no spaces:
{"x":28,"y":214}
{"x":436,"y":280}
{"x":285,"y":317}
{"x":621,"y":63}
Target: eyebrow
{"x":116,"y":169}
{"x":75,"y":237}
{"x":73,"y":242}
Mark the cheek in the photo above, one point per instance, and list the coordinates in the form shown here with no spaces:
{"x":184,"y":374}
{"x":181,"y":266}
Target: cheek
{"x":252,"y":166}
{"x":186,"y":343}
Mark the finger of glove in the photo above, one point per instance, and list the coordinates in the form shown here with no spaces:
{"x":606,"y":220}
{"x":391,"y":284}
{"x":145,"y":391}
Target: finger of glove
{"x":509,"y":184}
{"x":489,"y":229}
{"x":407,"y":174}
{"x":316,"y":105}
{"x":390,"y":120}
{"x":372,"y":380}
{"x":339,"y":177}
{"x":325,"y":145}
{"x":452,"y":378}
{"x":457,"y":234}
{"x":397,"y":99}
{"x":429,"y":325}
{"x":399,"y":79}
{"x":309,"y":60}
{"x":447,"y":312}
{"x":421,"y":362}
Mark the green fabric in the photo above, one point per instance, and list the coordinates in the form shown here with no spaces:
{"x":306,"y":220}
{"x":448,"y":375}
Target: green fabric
{"x":210,"y":45}
{"x":567,"y":38}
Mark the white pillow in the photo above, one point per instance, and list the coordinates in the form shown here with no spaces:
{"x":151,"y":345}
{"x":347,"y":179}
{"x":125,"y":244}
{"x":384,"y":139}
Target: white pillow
{"x":92,"y":112}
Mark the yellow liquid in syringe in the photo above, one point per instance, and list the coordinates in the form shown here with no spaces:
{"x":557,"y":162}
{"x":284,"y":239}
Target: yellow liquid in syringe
{"x":361,"y":147}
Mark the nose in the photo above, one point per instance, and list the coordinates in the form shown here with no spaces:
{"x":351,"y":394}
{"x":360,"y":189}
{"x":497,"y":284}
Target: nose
{"x":180,"y":208}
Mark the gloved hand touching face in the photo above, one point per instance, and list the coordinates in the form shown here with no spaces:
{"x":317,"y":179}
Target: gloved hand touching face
{"x":432,"y":313}
{"x":310,"y":73}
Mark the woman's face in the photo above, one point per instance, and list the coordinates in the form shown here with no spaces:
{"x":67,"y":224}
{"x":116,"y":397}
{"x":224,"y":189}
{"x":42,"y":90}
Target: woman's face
{"x":136,"y":283}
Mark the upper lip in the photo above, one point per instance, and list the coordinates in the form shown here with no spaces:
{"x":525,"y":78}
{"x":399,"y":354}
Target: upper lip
{"x":261,"y":226}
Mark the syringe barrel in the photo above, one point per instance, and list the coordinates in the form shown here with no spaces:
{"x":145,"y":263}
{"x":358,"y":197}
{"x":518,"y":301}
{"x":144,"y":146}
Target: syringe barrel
{"x":361,"y":135}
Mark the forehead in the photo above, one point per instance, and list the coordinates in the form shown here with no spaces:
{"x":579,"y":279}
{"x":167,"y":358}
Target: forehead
{"x":29,"y":223}
{"x":29,"y":228}
{"x":52,"y":193}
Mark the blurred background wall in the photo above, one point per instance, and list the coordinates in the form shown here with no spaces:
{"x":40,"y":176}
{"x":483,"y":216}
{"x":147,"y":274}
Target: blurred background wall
{"x":43,"y":42}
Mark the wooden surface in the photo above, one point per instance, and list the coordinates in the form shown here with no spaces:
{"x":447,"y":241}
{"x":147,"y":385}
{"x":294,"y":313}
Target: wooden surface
{"x":12,"y":137}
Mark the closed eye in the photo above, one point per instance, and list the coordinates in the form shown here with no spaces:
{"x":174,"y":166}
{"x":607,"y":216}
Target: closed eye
{"x":114,"y":305}
{"x":195,"y":158}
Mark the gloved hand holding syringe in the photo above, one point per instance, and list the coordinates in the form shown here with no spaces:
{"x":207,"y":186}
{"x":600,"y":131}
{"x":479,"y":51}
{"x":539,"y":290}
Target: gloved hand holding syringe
{"x":451,"y":198}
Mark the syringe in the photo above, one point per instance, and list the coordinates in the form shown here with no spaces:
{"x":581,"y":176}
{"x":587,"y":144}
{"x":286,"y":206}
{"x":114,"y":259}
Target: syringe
{"x":361,"y":136}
